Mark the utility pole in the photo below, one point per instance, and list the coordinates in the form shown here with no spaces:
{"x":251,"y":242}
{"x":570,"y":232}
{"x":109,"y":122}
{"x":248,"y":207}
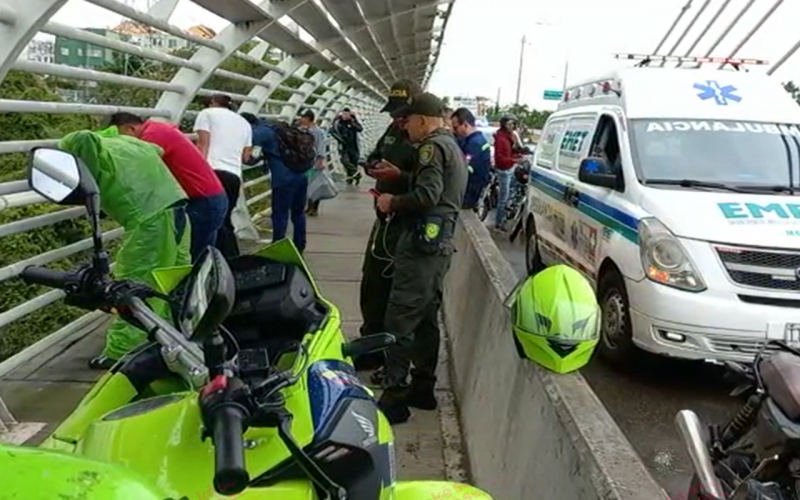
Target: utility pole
{"x":497,"y":102}
{"x":521,"y":59}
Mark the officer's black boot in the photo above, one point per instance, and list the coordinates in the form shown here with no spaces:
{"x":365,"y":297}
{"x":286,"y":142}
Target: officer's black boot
{"x":393,"y":405}
{"x":421,"y":392}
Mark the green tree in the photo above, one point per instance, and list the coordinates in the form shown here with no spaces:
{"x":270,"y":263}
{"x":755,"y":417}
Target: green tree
{"x":528,"y":118}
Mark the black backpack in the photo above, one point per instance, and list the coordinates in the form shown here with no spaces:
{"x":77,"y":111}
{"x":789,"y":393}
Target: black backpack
{"x":296,"y":147}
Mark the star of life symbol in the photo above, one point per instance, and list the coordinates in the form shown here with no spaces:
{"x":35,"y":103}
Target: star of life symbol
{"x":722,"y":94}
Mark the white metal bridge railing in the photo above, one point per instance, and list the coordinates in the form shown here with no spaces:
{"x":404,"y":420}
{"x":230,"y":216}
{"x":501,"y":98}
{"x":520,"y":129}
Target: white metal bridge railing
{"x":333,"y":54}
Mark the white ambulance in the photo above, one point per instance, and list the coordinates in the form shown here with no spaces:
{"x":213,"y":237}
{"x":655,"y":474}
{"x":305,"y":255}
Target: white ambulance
{"x":676,"y":190}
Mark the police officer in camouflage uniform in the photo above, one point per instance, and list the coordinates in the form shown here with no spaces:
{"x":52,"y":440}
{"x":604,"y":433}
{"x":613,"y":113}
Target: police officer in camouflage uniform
{"x":393,"y":148}
{"x":427,"y":215}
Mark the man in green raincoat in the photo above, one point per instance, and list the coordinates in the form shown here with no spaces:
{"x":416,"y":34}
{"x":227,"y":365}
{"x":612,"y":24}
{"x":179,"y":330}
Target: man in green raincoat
{"x":139,"y":193}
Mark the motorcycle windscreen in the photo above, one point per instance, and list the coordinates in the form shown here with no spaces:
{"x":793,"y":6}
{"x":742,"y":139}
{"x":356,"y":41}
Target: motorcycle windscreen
{"x":284,"y":251}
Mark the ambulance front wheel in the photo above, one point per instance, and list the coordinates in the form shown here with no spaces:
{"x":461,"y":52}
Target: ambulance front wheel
{"x":533,"y":261}
{"x":616,"y":343}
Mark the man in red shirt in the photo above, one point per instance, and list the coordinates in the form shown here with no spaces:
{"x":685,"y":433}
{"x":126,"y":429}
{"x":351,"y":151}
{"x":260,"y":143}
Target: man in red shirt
{"x":505,"y":157}
{"x":208,"y":202}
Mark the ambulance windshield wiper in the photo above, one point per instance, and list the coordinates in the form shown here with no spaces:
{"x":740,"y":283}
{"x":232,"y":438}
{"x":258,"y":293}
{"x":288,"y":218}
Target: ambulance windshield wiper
{"x":691,"y":183}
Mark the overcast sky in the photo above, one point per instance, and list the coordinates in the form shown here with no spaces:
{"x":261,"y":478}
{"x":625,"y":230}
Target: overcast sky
{"x":482,"y":43}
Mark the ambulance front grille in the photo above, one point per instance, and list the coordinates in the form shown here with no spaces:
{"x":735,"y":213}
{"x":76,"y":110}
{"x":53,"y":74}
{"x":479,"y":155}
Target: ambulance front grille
{"x":775,"y":270}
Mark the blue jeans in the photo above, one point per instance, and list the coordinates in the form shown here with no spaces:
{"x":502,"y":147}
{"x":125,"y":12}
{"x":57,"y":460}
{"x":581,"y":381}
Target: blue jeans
{"x":206,"y":214}
{"x":504,"y":188}
{"x":289,"y":201}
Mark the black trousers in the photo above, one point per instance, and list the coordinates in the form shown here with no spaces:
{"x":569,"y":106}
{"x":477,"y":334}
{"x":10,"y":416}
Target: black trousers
{"x":226,"y":238}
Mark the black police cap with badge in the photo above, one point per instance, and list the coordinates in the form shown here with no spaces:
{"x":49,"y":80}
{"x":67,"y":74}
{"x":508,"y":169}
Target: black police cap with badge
{"x":400,"y":96}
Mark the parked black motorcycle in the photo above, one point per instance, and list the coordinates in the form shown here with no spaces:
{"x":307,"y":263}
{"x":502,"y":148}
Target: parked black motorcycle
{"x":518,"y":198}
{"x":488,"y":199}
{"x":755,"y":455}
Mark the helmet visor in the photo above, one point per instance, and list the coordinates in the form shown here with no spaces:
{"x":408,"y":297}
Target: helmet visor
{"x":566,"y":323}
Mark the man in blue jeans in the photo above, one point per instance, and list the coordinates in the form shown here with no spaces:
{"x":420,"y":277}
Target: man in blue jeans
{"x":289,"y":188}
{"x":505,"y":158}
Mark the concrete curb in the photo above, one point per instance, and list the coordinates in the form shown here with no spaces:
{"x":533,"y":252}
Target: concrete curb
{"x":529,"y":434}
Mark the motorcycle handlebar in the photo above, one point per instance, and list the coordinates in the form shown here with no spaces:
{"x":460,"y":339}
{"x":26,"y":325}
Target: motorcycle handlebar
{"x":230,"y":475}
{"x":51,"y":278}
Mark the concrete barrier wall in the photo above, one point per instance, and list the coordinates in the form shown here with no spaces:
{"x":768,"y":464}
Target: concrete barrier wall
{"x":530,"y":434}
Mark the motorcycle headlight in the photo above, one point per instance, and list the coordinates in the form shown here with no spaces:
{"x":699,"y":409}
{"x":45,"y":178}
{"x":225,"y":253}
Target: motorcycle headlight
{"x":664,"y":259}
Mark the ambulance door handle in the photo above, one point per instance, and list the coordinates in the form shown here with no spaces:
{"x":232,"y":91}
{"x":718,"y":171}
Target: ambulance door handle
{"x":571,"y":196}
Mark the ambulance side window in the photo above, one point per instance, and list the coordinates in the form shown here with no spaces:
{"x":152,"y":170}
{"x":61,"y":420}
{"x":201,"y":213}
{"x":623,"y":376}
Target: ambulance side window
{"x":606,"y":144}
{"x":574,"y":144}
{"x":548,"y":144}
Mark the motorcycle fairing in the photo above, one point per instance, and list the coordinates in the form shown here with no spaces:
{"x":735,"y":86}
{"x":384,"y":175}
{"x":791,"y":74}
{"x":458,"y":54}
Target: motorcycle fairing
{"x":353,"y":447}
{"x":160,"y":438}
{"x":36,"y":474}
{"x":434,"y":490}
{"x":329,"y":382}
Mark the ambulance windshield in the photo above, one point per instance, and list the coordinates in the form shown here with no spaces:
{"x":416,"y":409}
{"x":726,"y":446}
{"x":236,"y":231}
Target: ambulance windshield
{"x":747,"y":154}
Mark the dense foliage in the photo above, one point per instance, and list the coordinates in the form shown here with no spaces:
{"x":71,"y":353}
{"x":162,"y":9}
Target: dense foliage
{"x":528,"y":118}
{"x":18,"y":127}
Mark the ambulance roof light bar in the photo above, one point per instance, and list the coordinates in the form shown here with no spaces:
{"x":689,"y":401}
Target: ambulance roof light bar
{"x":646,"y":59}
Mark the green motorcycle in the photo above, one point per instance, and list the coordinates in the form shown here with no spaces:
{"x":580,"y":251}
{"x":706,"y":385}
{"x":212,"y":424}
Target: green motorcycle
{"x":249,"y":391}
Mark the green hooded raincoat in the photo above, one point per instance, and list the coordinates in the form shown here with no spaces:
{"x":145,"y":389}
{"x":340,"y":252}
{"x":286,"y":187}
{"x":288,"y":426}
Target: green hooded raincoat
{"x":139,"y":193}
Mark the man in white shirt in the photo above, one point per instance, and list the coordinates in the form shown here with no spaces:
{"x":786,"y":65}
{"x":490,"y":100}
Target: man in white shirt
{"x":225,"y":139}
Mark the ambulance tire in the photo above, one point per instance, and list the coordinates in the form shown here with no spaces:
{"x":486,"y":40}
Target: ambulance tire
{"x":616,"y":341}
{"x":533,"y":259}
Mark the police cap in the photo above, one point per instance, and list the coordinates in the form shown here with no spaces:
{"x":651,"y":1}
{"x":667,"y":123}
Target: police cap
{"x":426,"y":104}
{"x":400,"y":95}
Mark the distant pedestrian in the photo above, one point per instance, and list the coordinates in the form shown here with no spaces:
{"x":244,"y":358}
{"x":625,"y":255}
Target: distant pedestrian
{"x":308,"y":123}
{"x":345,"y":129}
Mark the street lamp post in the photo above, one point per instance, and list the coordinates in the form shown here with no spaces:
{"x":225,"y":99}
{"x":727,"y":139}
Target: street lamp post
{"x":521,"y":61}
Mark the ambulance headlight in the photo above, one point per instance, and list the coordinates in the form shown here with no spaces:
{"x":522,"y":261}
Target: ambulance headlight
{"x":664,"y":259}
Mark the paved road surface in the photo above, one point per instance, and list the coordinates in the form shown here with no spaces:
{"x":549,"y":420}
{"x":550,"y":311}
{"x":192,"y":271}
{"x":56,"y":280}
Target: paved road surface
{"x":644,"y":403}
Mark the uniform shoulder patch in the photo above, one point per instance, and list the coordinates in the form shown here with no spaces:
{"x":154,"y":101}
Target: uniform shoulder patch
{"x":425,"y":154}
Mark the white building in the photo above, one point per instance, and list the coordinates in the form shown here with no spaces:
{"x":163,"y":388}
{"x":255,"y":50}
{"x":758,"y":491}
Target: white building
{"x":39,"y":51}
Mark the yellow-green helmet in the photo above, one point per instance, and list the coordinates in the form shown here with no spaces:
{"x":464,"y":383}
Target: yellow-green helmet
{"x":556,"y":318}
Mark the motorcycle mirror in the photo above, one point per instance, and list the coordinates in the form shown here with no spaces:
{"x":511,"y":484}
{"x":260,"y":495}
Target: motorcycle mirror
{"x":210,"y":293}
{"x":62,"y":178}
{"x":55,"y":175}
{"x":367,"y":344}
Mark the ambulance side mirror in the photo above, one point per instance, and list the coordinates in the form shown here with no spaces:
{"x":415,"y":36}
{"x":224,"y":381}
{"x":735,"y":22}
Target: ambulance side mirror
{"x":597,"y":172}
